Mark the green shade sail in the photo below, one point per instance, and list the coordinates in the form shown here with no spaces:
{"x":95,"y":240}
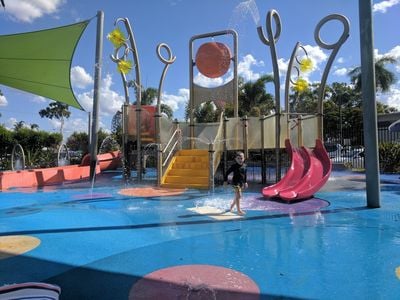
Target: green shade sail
{"x":40,"y":62}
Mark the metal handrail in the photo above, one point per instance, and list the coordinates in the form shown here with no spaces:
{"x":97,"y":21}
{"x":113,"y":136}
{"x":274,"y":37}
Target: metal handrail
{"x":176,"y":132}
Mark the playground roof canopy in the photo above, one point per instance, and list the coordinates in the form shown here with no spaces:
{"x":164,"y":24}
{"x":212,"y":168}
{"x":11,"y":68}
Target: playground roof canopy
{"x":39,"y":62}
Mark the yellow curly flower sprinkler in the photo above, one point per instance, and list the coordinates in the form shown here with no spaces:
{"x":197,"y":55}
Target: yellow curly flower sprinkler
{"x":300,"y":85}
{"x":116,"y":37}
{"x":306,"y":65}
{"x":124,"y":66}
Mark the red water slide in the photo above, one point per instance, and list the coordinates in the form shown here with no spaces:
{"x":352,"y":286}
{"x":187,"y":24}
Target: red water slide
{"x":315,"y":174}
{"x":299,"y":164}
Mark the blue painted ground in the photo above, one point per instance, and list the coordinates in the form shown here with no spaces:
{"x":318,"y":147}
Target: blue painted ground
{"x":95,"y":244}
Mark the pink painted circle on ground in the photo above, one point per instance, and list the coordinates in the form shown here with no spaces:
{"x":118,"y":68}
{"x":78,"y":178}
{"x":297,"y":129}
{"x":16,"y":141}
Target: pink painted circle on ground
{"x":213,"y":59}
{"x":195,"y":282}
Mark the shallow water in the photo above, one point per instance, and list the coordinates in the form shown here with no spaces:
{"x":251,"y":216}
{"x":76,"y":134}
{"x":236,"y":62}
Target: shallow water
{"x":97,"y":244}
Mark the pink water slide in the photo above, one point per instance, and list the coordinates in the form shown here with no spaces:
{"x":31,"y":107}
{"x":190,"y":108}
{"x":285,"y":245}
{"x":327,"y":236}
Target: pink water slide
{"x":308,"y":172}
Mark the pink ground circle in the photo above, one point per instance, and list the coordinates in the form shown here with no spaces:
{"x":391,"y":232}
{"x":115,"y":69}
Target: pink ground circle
{"x":195,"y":282}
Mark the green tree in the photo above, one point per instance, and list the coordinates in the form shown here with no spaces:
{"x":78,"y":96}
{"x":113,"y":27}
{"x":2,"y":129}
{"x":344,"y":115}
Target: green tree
{"x":254,"y":94}
{"x":253,"y":100}
{"x":19,"y":125}
{"x":206,"y":113}
{"x":78,"y":141}
{"x":34,"y":126}
{"x":39,"y":146}
{"x":167,"y":110}
{"x":7,"y":142}
{"x":58,"y":111}
{"x":149,"y":96}
{"x":383,"y":77}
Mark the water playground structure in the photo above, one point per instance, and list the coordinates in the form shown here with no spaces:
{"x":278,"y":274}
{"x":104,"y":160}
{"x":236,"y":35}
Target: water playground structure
{"x":153,"y":247}
{"x":189,"y":154}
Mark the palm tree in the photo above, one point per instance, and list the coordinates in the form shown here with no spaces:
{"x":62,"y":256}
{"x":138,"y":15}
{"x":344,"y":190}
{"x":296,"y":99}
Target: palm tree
{"x":254,"y":94}
{"x":19,"y":125}
{"x":34,"y":126}
{"x":383,"y":77}
{"x":149,"y":95}
{"x":56,"y":110}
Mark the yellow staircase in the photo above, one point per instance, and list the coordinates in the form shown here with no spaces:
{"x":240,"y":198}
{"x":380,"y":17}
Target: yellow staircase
{"x":188,"y":169}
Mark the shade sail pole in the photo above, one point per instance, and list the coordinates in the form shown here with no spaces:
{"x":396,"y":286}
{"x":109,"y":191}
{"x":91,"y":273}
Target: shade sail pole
{"x":369,"y":103}
{"x":97,"y":80}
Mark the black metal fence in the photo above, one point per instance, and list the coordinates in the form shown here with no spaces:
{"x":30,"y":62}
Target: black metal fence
{"x":346,"y":149}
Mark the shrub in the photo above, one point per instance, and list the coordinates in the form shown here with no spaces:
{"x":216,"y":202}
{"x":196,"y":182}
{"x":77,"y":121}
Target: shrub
{"x":389,"y":157}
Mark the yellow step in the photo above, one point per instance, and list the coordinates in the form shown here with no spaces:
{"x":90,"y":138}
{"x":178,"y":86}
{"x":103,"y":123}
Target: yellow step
{"x":184,"y":186}
{"x":186,"y":179}
{"x":185,"y":158}
{"x":189,"y":169}
{"x":188,"y":172}
{"x":190,"y":165}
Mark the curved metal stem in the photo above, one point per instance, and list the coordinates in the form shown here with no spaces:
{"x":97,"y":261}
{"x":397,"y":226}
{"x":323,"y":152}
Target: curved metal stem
{"x":271,"y":41}
{"x":335,"y":46}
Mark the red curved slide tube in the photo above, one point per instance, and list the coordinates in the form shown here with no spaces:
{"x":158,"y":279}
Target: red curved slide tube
{"x":317,"y":175}
{"x":298,"y":167}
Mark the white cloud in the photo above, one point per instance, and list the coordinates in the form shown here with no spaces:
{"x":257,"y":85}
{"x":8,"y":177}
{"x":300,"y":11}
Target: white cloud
{"x":392,"y":98}
{"x":340,"y":60}
{"x":202,"y":80}
{"x":384,"y":5}
{"x":176,"y":101}
{"x":10,"y":123}
{"x":340,"y":72}
{"x":29,"y":10}
{"x":3,"y":100}
{"x":394,"y":52}
{"x":316,"y":54}
{"x":110,"y":101}
{"x":39,"y":99}
{"x":283,"y":66}
{"x":245,"y":68}
{"x":75,"y":125}
{"x":80,"y":78}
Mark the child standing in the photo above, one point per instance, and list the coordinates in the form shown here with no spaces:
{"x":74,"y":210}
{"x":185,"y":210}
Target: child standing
{"x":239,"y":180}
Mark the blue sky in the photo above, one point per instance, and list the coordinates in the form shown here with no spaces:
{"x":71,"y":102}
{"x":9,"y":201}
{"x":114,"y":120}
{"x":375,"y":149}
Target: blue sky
{"x":174,"y":22}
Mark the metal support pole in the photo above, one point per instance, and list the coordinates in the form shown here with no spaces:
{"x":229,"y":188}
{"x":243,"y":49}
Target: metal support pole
{"x":139,"y":168}
{"x":245,"y":121}
{"x":300,"y":140}
{"x":97,"y":81}
{"x":211,"y":152}
{"x":263,"y":169}
{"x":369,"y":103}
{"x":225,"y":144}
{"x":126,"y":148}
{"x":159,"y":164}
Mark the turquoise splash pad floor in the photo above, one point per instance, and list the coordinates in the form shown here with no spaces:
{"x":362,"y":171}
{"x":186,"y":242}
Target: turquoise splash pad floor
{"x":99,"y":244}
